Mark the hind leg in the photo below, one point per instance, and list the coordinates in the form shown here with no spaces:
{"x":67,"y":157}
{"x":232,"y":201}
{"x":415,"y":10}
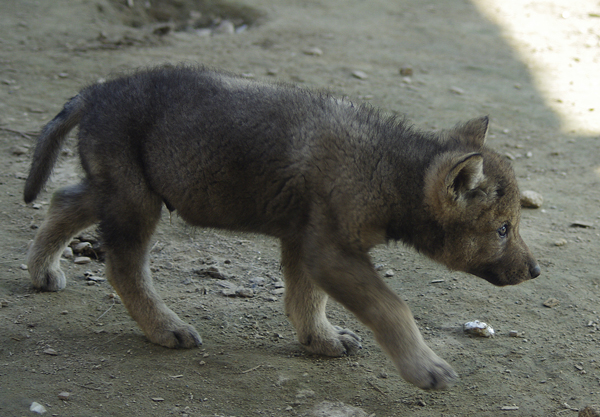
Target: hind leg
{"x":305,"y":307}
{"x":127,"y":222}
{"x":71,"y":210}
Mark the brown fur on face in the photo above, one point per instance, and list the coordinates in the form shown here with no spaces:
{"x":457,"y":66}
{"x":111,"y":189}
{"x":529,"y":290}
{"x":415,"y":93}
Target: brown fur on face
{"x":327,"y":178}
{"x":475,"y":198}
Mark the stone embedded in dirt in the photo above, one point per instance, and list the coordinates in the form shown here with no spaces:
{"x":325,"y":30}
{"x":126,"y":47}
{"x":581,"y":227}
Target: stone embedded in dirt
{"x":224,"y":28}
{"x":95,"y":278}
{"x":23,"y":267}
{"x":37,"y":408}
{"x":551,"y":303}
{"x":361,"y":75}
{"x":50,"y":352}
{"x":81,"y":246}
{"x":212,"y":272}
{"x":157,"y":399}
{"x":18,"y":150}
{"x":4,"y":303}
{"x":80,"y":260}
{"x":457,"y":90}
{"x":509,"y":408}
{"x":478,"y":328}
{"x":406,"y":71}
{"x":560,"y":242}
{"x":68,"y":253}
{"x":531,"y":199}
{"x":64,"y":396}
{"x":582,"y":224}
{"x":336,"y":409}
{"x":389,"y":273}
{"x":588,"y":412}
{"x":314,"y":51}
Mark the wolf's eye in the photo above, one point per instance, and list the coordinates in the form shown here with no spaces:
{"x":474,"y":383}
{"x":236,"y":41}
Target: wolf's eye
{"x":503,"y":231}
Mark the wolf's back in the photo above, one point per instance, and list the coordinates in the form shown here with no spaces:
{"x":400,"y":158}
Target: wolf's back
{"x":48,"y":146}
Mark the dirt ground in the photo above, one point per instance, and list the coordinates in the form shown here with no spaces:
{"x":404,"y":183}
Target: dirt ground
{"x":532,"y":66}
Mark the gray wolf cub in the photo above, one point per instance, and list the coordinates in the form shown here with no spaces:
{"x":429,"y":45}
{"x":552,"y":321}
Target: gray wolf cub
{"x":329,"y":179}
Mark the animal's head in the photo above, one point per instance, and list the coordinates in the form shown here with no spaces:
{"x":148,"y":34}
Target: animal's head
{"x":472,"y":193}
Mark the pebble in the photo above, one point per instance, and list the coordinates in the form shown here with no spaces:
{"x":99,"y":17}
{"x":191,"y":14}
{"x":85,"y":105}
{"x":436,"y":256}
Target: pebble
{"x":50,"y":352}
{"x":95,"y":278}
{"x":337,"y":409}
{"x":37,"y":408}
{"x":389,"y":273}
{"x":478,"y":328}
{"x":225,"y":28}
{"x":18,"y":150}
{"x":313,"y":51}
{"x":361,"y":75}
{"x":81,"y":246}
{"x":80,"y":260}
{"x":63,"y":396}
{"x":23,"y":267}
{"x":157,"y":399}
{"x":551,"y":303}
{"x":509,"y":408}
{"x":457,"y":90}
{"x":406,"y":71}
{"x":531,"y":199}
{"x":68,"y":253}
{"x":560,"y":242}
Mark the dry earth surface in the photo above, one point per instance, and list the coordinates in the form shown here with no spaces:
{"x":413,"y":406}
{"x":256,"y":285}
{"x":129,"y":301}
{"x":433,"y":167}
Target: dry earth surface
{"x":532,"y":66}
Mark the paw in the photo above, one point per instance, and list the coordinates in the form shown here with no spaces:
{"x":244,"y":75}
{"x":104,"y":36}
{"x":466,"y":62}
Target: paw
{"x":181,"y":335}
{"x":428,"y":372}
{"x":334,"y":342}
{"x":47,"y":279}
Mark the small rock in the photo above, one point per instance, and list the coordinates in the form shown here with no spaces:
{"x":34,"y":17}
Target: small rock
{"x":95,"y":278}
{"x":478,"y":328}
{"x":64,"y":396}
{"x":337,"y":409}
{"x":37,"y":408}
{"x":68,"y":252}
{"x":513,"y":333}
{"x":81,"y":246}
{"x":582,"y":224}
{"x":389,"y":273}
{"x":457,"y":90}
{"x":551,"y":303}
{"x":531,"y":199}
{"x":560,"y":242}
{"x":509,"y":408}
{"x":224,"y":28}
{"x":80,"y":260}
{"x":406,"y":71}
{"x":23,"y":267}
{"x":18,"y":150}
{"x":245,"y":293}
{"x":314,"y":51}
{"x":157,"y":399}
{"x":50,"y":352}
{"x":360,"y":75}
{"x":4,"y":303}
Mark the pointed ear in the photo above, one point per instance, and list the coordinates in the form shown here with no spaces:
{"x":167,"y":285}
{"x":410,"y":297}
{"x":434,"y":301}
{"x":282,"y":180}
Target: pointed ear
{"x":465,"y":174}
{"x":473,"y":133}
{"x":448,"y":183}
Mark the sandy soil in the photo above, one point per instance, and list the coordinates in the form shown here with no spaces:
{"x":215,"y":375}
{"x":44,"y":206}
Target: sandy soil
{"x":464,"y":64}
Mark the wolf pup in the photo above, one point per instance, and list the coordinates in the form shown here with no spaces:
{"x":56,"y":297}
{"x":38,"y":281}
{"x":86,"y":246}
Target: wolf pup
{"x":327,"y":178}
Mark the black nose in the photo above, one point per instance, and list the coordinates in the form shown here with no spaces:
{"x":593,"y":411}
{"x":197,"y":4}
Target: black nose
{"x":535,"y":271}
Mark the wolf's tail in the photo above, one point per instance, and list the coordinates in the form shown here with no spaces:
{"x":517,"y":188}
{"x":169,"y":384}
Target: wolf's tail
{"x":48,"y":145}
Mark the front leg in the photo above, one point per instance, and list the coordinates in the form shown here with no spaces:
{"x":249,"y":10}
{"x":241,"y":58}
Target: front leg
{"x":305,"y":305}
{"x":348,"y":276}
